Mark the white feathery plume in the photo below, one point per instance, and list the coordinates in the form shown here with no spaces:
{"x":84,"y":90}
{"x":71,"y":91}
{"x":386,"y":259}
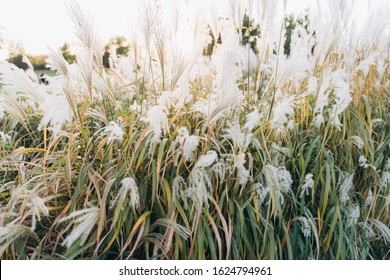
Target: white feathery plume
{"x":93,"y":47}
{"x":11,"y":232}
{"x":363,"y":162}
{"x":322,"y":97}
{"x":270,"y":173}
{"x":90,"y":57}
{"x":129,"y":185}
{"x":353,"y":214}
{"x":30,"y":202}
{"x":176,"y":98}
{"x":129,"y":188}
{"x":206,"y":160}
{"x":373,"y":28}
{"x":376,"y":122}
{"x":240,"y":160}
{"x":57,"y":62}
{"x":160,"y":42}
{"x":387,"y":165}
{"x":252,"y":120}
{"x":312,"y":85}
{"x":84,"y":220}
{"x":179,"y":229}
{"x":4,"y":138}
{"x":37,"y":207}
{"x":242,"y":172}
{"x":369,"y":231}
{"x":72,"y":86}
{"x":187,"y":143}
{"x":18,"y":81}
{"x":240,"y":138}
{"x":318,"y":120}
{"x":382,"y":228}
{"x":328,"y":27}
{"x":261,"y":192}
{"x":235,"y":10}
{"x":291,"y":125}
{"x":216,"y":106}
{"x":18,"y":196}
{"x":220,"y":168}
{"x":18,"y":155}
{"x":302,"y":44}
{"x":226,"y":59}
{"x":346,"y":184}
{"x":244,"y":175}
{"x":284,"y":108}
{"x":369,"y":199}
{"x":293,"y":67}
{"x":279,"y":154}
{"x":179,"y":189}
{"x":357,"y":141}
{"x":248,"y":59}
{"x":148,"y":21}
{"x":342,"y":94}
{"x":199,"y":182}
{"x":30,"y":69}
{"x":157,"y":118}
{"x":56,"y":112}
{"x":365,"y":64}
{"x":101,"y":86}
{"x":85,"y":67}
{"x":114,"y":132}
{"x":277,"y":179}
{"x":386,"y":174}
{"x":284,"y":178}
{"x":83,"y":25}
{"x":305,"y":226}
{"x":307,"y":185}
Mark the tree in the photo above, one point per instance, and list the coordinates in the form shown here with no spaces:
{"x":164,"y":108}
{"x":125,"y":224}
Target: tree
{"x":16,"y":52}
{"x":15,"y":49}
{"x":117,"y":43}
{"x":249,"y":33}
{"x":290,"y":23}
{"x":68,"y":55}
{"x":38,"y":61}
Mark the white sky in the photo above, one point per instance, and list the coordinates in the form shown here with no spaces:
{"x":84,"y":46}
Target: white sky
{"x":40,"y":24}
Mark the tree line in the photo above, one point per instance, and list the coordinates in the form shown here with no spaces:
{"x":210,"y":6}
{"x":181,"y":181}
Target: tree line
{"x":39,"y":62}
{"x":249,"y":33}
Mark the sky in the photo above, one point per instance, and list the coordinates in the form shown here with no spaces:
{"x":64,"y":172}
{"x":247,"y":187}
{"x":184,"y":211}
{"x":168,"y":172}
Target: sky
{"x":42,"y":24}
{"x":39,"y":24}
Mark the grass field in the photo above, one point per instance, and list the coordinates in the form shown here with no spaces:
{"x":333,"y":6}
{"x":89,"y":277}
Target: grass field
{"x":171,"y":154}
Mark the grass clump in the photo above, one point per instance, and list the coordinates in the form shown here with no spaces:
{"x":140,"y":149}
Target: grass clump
{"x":169,"y":154}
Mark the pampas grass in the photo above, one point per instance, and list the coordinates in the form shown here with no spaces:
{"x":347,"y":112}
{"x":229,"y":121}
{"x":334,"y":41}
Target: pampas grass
{"x":169,"y":154}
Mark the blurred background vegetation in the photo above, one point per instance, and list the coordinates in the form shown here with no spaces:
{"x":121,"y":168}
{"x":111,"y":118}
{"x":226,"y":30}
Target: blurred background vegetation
{"x":121,"y":46}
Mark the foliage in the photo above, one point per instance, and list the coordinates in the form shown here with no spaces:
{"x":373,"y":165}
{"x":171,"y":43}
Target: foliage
{"x":290,"y":23}
{"x":117,"y":45}
{"x":18,"y":61}
{"x":18,"y":57}
{"x":68,"y":55}
{"x":39,"y":62}
{"x":169,"y":154}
